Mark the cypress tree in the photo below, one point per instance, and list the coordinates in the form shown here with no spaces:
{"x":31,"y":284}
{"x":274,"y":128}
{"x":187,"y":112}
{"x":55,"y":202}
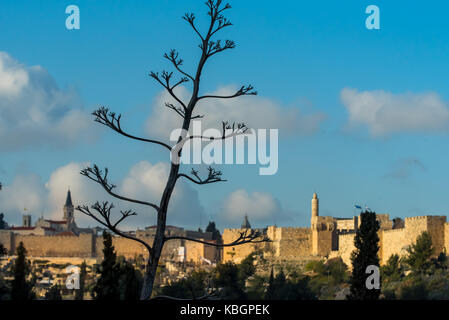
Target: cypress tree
{"x":22,"y":289}
{"x":365,"y":254}
{"x":3,"y":250}
{"x":269,"y":295}
{"x":3,"y":224}
{"x":107,"y":286}
{"x":79,"y":295}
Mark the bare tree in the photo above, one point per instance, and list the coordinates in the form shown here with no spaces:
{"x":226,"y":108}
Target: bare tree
{"x":185,"y":109}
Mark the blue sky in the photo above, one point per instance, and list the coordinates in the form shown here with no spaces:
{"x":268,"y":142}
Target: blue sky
{"x":299,"y":55}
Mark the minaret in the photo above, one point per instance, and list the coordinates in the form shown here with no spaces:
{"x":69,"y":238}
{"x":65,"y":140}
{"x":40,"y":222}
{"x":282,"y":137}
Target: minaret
{"x":315,"y":206}
{"x":69,"y":209}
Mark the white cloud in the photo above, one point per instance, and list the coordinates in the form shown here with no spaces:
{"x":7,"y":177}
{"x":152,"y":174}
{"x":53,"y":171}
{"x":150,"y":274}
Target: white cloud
{"x":83,"y":191}
{"x":384,"y":113}
{"x":25,"y":192}
{"x":262,"y":208}
{"x":254,"y":111}
{"x":144,"y":181}
{"x":35,"y":111}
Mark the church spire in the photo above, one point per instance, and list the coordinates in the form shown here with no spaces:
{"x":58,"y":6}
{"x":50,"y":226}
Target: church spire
{"x":69,"y":209}
{"x":68,"y":201}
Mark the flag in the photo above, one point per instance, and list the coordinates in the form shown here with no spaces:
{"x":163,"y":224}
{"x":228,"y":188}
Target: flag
{"x":357,"y":207}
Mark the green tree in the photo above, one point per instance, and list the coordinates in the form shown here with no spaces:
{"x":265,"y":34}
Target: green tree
{"x":3,"y":224}
{"x":420,"y":253}
{"x":3,"y":250}
{"x":107,"y":286}
{"x":441,"y":262}
{"x":246,"y":267}
{"x":54,"y":293}
{"x":294,"y":288}
{"x":276,"y":286}
{"x":256,"y":287}
{"x":365,"y":254}
{"x":227,"y":277}
{"x":269,"y":294}
{"x":336,"y":269}
{"x":192,"y":287}
{"x":392,"y":270}
{"x":414,"y":290}
{"x":22,"y":289}
{"x":316,"y":266}
{"x":79,"y":295}
{"x":130,"y":281}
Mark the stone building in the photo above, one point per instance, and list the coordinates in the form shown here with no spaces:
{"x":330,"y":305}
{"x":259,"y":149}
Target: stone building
{"x":330,"y":237}
{"x":63,"y":238}
{"x":327,"y":237}
{"x":45,"y":227}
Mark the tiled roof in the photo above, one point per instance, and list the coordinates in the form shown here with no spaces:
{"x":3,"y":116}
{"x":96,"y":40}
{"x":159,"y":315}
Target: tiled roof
{"x":23,"y":228}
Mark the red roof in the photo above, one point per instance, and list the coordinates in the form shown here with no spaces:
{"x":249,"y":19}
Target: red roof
{"x":23,"y":228}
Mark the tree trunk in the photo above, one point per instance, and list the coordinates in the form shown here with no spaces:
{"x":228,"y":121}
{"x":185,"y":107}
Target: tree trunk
{"x":159,"y":239}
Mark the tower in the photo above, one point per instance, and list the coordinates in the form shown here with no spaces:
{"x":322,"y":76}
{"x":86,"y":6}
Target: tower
{"x":246,"y":224}
{"x":69,"y":209}
{"x":315,"y":206}
{"x":26,"y":220}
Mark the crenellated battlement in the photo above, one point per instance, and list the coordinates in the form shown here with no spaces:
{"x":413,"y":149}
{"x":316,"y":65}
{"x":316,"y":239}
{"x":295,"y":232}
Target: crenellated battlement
{"x":327,"y":236}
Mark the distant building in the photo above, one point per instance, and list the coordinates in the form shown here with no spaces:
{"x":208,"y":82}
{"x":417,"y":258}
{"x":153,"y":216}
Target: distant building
{"x":45,"y":227}
{"x":330,"y":237}
{"x":63,"y":238}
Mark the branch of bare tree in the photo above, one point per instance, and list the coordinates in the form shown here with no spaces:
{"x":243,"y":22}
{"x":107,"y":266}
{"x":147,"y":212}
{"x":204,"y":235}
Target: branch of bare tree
{"x":166,"y":76}
{"x":212,"y":177}
{"x":243,"y":91}
{"x":246,"y":236}
{"x":113,"y":121}
{"x":190,"y":18}
{"x":97,"y":175}
{"x":181,"y":111}
{"x":104,"y":211}
{"x":173,"y":57}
